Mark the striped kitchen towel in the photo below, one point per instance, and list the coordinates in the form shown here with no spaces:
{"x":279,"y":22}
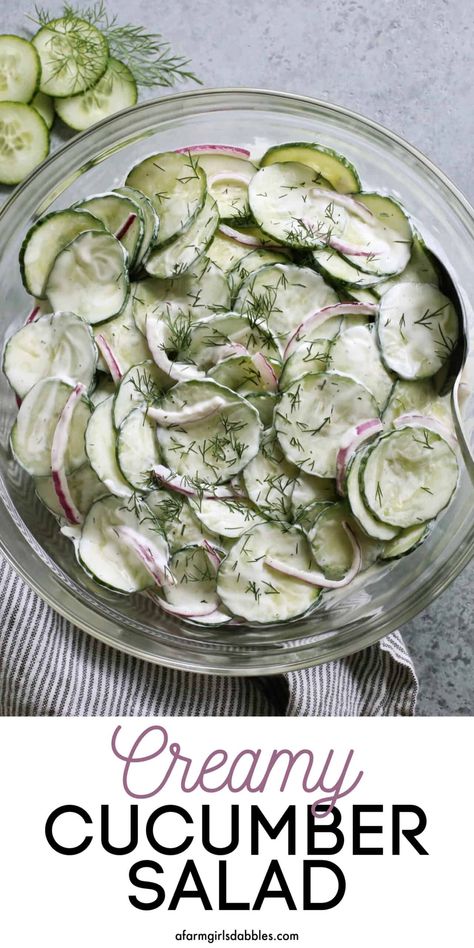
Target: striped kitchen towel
{"x":49,"y":667}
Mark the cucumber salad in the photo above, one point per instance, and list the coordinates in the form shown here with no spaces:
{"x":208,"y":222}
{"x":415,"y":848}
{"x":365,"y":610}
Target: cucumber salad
{"x":233,"y":383}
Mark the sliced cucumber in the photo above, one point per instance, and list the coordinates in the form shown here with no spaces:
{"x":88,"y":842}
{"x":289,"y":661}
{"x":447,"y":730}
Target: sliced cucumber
{"x":408,"y":476}
{"x":115,"y":90}
{"x":225,"y":252}
{"x":137,"y":449}
{"x":181,"y":254}
{"x":84,"y":485}
{"x":227,"y":178}
{"x":200,"y":292}
{"x":366,"y":520}
{"x":355,"y":352}
{"x":337,"y":269}
{"x":308,"y":493}
{"x":101,"y":445}
{"x":225,"y":518}
{"x":73,"y":56}
{"x":103,"y":389}
{"x":265,"y":403}
{"x":151,"y":222}
{"x":286,"y":203}
{"x":419,"y":269}
{"x":90,"y":276}
{"x":387,"y":240}
{"x":175,"y":185}
{"x":406,"y":541}
{"x":32,"y":434}
{"x":252,"y":261}
{"x":181,"y":527}
{"x":253,"y":591}
{"x":140,"y":386}
{"x":128,"y":345}
{"x":20,"y":69}
{"x":24,"y":141}
{"x":214,"y":449}
{"x":194,"y":591}
{"x":281,"y":297}
{"x":44,"y":106}
{"x":59,"y":345}
{"x":420,"y":397}
{"x":335,"y":168}
{"x":269,"y":479}
{"x":104,"y":556}
{"x":314,"y":413}
{"x":243,"y":374}
{"x":417,"y":329}
{"x":310,"y":357}
{"x":210,"y":338}
{"x":331,"y":546}
{"x":45,"y":240}
{"x":121,"y":215}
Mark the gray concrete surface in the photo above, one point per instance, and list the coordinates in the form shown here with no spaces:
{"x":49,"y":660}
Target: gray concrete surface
{"x":409,"y":65}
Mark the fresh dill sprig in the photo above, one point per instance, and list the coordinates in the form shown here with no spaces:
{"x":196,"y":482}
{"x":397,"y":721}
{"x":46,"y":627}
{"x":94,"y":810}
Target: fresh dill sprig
{"x":146,"y":54}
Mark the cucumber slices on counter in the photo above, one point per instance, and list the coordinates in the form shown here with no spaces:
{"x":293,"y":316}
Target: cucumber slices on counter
{"x":230,"y":377}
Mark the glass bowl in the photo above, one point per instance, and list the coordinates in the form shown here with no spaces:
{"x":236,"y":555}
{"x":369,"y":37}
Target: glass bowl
{"x":381,"y":599}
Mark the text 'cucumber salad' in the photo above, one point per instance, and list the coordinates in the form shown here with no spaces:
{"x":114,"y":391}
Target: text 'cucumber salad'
{"x":233,"y":381}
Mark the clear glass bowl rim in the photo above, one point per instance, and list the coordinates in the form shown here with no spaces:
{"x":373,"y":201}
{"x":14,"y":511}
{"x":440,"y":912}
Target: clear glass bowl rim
{"x":300,"y":655}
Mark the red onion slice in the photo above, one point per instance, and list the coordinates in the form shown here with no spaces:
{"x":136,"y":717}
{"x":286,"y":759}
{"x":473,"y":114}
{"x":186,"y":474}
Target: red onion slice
{"x":215,"y":150}
{"x":266,"y":372}
{"x":321,"y":315}
{"x":125,"y":226}
{"x":181,"y":485}
{"x":415,"y":420}
{"x":315,"y":578}
{"x":351,"y":250}
{"x":149,"y":555}
{"x":189,"y":414}
{"x":357,"y":208}
{"x":109,"y":358}
{"x":350,"y":441}
{"x":212,"y":554}
{"x":58,"y":453}
{"x":247,"y":239}
{"x":32,"y":314}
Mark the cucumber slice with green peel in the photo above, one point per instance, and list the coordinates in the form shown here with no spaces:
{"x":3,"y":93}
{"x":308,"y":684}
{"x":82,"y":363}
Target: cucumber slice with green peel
{"x":326,"y":162}
{"x":44,"y":106}
{"x":201,"y":291}
{"x":417,"y":328}
{"x":363,"y":295}
{"x":137,"y":449}
{"x":115,"y":90}
{"x":225,"y":518}
{"x":90,"y":275}
{"x":101,"y":447}
{"x":73,"y":55}
{"x":406,"y":541}
{"x":308,"y":491}
{"x":128,"y":345}
{"x":180,"y":526}
{"x":244,"y":374}
{"x":103,"y":389}
{"x":121,"y":215}
{"x":289,"y":205}
{"x":20,"y":69}
{"x":194,"y":592}
{"x":408,"y":476}
{"x":269,"y":479}
{"x":355,"y":352}
{"x":32,"y":434}
{"x":140,"y":386}
{"x":419,"y":397}
{"x":366,"y":520}
{"x":211,"y":339}
{"x":281,"y":297}
{"x":216,"y":446}
{"x":59,"y":345}
{"x":419,"y":269}
{"x":175,"y":185}
{"x":227,"y":178}
{"x":45,"y":240}
{"x":84,"y":485}
{"x":103,"y":554}
{"x":337,"y":269}
{"x":181,"y":254}
{"x":151,"y":221}
{"x":24,"y":141}
{"x":314,"y":413}
{"x":309,"y":357}
{"x":265,"y":403}
{"x":331,"y":546}
{"x":252,"y":261}
{"x":225,"y":252}
{"x":384,"y":244}
{"x":252,"y":590}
